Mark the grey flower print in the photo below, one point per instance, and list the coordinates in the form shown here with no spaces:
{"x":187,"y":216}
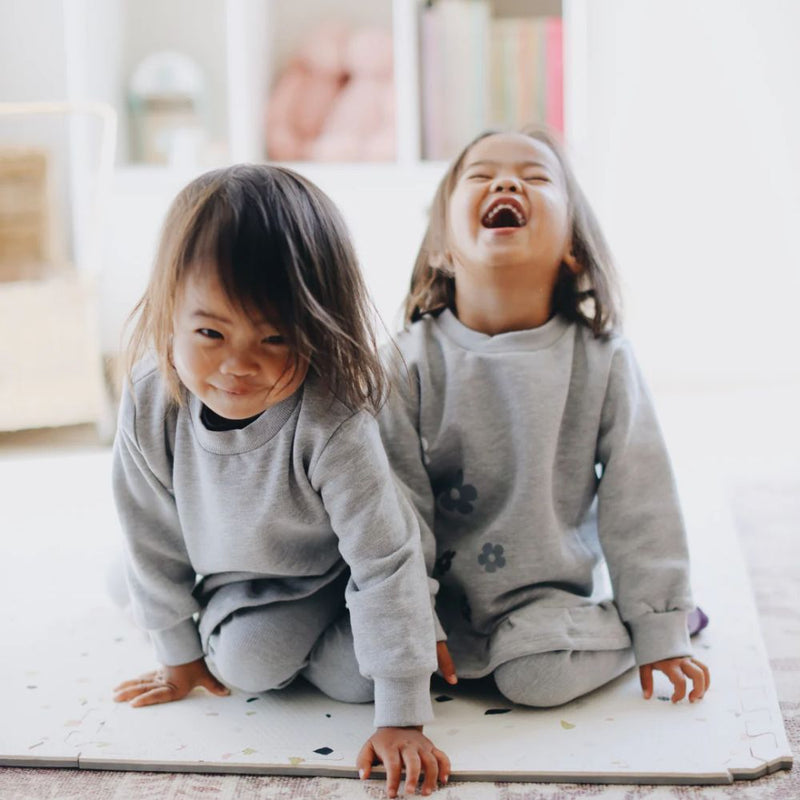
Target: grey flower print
{"x":443,"y":563}
{"x":492,"y":559}
{"x":457,"y":495}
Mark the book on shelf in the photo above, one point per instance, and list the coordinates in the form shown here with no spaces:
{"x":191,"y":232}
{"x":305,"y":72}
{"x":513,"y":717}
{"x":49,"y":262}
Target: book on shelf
{"x":479,"y":71}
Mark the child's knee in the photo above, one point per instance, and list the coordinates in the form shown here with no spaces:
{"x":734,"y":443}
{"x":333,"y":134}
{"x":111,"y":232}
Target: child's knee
{"x":245,"y":664}
{"x":333,"y":667}
{"x":358,"y":690}
{"x":542,"y":680}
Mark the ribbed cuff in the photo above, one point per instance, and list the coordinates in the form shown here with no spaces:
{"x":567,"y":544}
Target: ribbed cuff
{"x":177,"y":645}
{"x":400,"y":702}
{"x":660,"y":635}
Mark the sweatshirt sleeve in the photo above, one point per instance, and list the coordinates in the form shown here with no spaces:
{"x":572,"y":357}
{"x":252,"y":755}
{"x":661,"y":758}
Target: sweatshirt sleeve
{"x":640,"y":523}
{"x":399,"y":425}
{"x":159,"y":573}
{"x":387,"y":593}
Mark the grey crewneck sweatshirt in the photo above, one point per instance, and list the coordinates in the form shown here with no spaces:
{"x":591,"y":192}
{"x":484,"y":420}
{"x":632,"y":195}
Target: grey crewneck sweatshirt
{"x":529,"y":457}
{"x":298,"y":496}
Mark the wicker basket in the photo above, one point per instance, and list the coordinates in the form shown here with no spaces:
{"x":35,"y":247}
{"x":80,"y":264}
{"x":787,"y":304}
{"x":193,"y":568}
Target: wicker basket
{"x":25,"y":219}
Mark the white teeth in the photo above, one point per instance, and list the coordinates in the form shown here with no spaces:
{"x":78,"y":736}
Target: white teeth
{"x":493,"y":212}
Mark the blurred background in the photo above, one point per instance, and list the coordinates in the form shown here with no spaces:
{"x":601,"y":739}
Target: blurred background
{"x":682,"y":119}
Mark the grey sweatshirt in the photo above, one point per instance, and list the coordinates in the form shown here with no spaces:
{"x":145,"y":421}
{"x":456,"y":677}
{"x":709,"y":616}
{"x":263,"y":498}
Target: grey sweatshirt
{"x":529,"y":457}
{"x":298,"y":496}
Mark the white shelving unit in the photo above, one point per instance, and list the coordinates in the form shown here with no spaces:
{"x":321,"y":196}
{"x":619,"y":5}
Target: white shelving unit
{"x":241,"y":46}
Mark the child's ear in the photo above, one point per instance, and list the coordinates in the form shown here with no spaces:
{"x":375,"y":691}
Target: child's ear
{"x":572,"y":263}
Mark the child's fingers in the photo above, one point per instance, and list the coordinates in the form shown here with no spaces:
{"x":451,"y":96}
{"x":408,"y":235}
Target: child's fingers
{"x":430,"y":767}
{"x":698,"y":678}
{"x":646,"y":680}
{"x":391,"y":762}
{"x":131,"y":689}
{"x":443,"y":764}
{"x":706,"y":671}
{"x":161,"y":694}
{"x":148,"y":676}
{"x":413,"y":765}
{"x":675,"y":675}
{"x":445,"y":663}
{"x":215,"y":687}
{"x":364,"y":761}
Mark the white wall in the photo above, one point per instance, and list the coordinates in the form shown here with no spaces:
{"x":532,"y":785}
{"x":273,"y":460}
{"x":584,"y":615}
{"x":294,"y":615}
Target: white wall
{"x":31,"y":47}
{"x":692,"y":159}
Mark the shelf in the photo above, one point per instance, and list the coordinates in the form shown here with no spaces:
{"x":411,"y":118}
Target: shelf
{"x":243,"y":47}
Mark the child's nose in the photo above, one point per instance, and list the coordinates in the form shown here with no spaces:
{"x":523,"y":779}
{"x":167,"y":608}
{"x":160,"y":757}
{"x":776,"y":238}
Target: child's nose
{"x":506,"y":184}
{"x":239,"y":364}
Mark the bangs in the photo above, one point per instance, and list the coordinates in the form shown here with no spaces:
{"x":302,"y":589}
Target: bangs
{"x":238,"y":235}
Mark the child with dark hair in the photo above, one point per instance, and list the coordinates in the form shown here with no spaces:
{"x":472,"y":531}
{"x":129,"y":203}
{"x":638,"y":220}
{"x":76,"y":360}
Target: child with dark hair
{"x":524,"y":434}
{"x":253,"y":490}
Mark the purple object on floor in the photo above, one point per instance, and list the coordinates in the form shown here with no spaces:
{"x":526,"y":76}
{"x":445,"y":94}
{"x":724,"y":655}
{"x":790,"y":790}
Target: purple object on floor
{"x":696,"y":620}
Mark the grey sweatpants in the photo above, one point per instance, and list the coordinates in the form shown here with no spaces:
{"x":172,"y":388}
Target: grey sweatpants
{"x":266,"y":647}
{"x":551,"y":679}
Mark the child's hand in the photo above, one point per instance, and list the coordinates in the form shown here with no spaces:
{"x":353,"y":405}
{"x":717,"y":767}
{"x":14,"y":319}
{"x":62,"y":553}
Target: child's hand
{"x":677,"y":670}
{"x":399,"y":748}
{"x":167,"y":684}
{"x":446,"y":666}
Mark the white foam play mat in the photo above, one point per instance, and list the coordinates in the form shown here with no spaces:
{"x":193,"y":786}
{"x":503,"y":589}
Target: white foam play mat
{"x":65,"y":645}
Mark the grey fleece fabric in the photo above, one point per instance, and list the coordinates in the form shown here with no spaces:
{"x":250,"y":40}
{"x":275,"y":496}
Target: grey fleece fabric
{"x":219,"y":521}
{"x":529,"y":457}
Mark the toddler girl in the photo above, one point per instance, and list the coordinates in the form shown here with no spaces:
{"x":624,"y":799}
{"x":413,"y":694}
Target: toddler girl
{"x":526,"y":439}
{"x":253,"y":490}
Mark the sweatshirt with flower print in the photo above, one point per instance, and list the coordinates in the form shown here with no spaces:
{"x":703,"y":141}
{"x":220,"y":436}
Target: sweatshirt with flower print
{"x":534,"y":459}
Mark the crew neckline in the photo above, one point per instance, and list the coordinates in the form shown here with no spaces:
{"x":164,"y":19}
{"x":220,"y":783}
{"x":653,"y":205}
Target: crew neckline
{"x":242,"y":440}
{"x":530,"y":339}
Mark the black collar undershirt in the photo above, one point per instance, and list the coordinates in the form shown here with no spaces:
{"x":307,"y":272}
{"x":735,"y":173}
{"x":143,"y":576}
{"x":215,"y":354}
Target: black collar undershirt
{"x":214,"y":422}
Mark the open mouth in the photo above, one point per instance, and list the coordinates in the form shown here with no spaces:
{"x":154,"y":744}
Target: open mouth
{"x":505,"y":212}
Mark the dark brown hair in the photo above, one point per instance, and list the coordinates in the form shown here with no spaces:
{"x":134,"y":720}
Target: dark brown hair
{"x":280,"y":248}
{"x":590,"y":296}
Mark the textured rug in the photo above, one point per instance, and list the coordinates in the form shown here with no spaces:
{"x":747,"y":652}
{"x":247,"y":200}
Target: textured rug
{"x":767,"y":517}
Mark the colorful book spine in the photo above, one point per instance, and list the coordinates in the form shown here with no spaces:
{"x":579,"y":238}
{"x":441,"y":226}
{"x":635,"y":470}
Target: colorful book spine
{"x":478,"y":72}
{"x":554,"y":73}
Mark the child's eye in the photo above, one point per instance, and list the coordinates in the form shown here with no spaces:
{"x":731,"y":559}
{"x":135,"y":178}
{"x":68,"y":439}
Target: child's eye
{"x":479,"y":176}
{"x":537,"y":179}
{"x":274,"y":339}
{"x":209,"y":333}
